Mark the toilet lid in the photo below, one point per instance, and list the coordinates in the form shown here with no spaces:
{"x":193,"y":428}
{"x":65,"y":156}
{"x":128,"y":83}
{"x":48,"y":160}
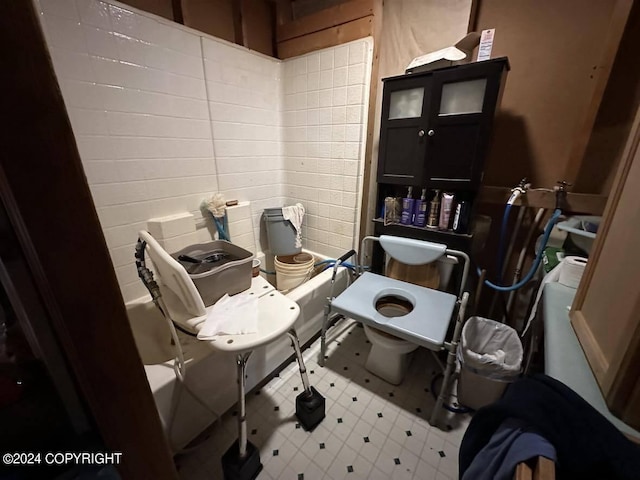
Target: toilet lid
{"x":426,"y":325}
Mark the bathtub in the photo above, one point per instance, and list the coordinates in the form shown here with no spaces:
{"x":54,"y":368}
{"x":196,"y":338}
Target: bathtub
{"x":212,"y":374}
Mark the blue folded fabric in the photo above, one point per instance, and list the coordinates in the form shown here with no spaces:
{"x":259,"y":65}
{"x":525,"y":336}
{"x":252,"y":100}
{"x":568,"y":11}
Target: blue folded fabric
{"x":512,"y":443}
{"x":588,"y":446}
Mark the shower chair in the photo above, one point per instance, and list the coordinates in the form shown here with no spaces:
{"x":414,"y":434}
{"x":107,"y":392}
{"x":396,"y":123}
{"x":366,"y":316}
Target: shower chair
{"x":179,"y":301}
{"x":433,"y":311}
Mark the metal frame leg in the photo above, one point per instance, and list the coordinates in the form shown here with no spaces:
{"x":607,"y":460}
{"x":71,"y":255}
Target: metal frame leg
{"x":295,"y":343}
{"x":451,"y":360}
{"x":323,"y":334}
{"x":242,"y":459}
{"x":310,"y":405}
{"x":241,"y":363}
{"x":327,"y":307}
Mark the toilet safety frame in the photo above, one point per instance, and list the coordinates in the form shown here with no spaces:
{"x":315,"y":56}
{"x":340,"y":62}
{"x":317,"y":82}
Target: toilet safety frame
{"x":358,"y":301}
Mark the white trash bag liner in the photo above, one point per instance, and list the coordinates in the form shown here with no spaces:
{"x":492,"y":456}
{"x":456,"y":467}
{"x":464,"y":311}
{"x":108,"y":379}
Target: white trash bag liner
{"x":490,"y":349}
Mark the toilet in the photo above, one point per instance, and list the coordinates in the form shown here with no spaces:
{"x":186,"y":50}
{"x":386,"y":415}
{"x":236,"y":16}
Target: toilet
{"x":390,"y":356}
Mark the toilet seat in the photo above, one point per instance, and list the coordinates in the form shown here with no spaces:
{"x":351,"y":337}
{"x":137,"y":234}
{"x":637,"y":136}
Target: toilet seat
{"x":426,"y":325}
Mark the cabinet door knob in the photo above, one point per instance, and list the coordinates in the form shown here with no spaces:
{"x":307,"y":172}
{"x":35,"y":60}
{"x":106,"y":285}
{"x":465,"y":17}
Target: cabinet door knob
{"x":421,"y":133}
{"x":431,"y":133}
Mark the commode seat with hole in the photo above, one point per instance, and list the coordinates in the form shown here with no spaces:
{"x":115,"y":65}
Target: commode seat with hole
{"x":276,"y":317}
{"x":381,"y":302}
{"x":390,"y":355}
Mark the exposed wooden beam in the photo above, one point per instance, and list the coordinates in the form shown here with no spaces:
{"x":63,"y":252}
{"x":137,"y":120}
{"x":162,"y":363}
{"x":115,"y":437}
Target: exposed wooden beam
{"x":240,"y":36}
{"x":371,"y":113}
{"x":329,"y":37}
{"x":178,"y":16}
{"x":330,"y":17}
{"x":576,"y":202}
{"x":284,"y":12}
{"x":473,"y":16}
{"x":619,"y":16}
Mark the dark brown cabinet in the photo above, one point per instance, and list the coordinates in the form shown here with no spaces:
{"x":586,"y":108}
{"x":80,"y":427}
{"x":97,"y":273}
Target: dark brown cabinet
{"x":436,"y":125}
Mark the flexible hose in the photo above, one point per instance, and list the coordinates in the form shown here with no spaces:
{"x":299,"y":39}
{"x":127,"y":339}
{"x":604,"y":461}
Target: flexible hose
{"x":343,"y":264}
{"x":536,"y":263}
{"x":503,"y":234}
{"x":523,"y":252}
{"x":516,"y":230}
{"x":332,"y":261}
{"x":179,"y":366}
{"x":180,"y":371}
{"x":329,"y":262}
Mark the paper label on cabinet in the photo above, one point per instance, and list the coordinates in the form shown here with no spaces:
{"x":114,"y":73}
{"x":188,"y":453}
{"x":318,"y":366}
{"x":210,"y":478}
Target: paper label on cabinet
{"x":486,"y":44}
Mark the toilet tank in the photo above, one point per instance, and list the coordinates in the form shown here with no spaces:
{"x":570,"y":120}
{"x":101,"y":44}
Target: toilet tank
{"x":444,"y":265}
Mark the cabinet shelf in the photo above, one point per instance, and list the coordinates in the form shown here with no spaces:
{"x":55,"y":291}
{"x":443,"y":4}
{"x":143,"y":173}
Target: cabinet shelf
{"x":436,"y":125}
{"x":456,"y":241}
{"x":435,"y":232}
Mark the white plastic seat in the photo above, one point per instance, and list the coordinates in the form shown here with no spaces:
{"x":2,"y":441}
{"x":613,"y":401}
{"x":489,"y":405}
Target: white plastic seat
{"x":276,"y":313}
{"x":276,"y":317}
{"x":426,"y":325}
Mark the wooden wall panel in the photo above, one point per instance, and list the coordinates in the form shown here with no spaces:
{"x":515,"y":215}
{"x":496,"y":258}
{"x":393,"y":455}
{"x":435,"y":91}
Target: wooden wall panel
{"x":304,"y":8}
{"x":614,"y":290}
{"x":587,"y":203}
{"x":610,"y":44}
{"x":555,"y":49}
{"x":328,"y":37}
{"x":615,"y":116}
{"x":605,"y":310}
{"x":215,"y":17}
{"x":331,"y":17}
{"x":258,"y":24}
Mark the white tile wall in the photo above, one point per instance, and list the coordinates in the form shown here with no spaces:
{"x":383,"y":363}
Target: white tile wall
{"x":324,"y":125}
{"x":136,"y":95}
{"x":164,"y":116}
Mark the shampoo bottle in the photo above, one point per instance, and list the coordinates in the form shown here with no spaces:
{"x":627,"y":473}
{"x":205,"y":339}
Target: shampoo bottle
{"x":445,"y":211}
{"x":420,"y":218}
{"x":407,"y":208}
{"x":434,"y":211}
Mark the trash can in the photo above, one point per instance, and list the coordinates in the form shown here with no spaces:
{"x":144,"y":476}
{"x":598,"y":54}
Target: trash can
{"x":281,"y":234}
{"x":490,"y":355}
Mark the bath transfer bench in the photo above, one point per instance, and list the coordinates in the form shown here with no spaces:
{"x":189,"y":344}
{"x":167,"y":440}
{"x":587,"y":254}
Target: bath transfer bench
{"x":369,"y":298}
{"x":179,"y":300}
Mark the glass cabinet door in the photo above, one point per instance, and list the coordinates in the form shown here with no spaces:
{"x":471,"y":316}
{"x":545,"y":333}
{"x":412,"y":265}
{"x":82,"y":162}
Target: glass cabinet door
{"x":406,"y":103}
{"x":459,"y":98}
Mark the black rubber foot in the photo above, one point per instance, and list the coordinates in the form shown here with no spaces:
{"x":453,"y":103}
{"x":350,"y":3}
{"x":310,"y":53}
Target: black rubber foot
{"x":236,"y":468}
{"x":310,"y":409}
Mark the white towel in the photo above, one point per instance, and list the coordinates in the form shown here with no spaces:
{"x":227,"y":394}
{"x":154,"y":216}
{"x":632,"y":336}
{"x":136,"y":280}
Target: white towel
{"x":559,"y":274}
{"x":231,"y":316}
{"x":295,"y":214}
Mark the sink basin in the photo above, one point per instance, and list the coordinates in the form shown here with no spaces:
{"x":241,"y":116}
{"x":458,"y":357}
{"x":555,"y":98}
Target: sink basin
{"x":582,"y":230}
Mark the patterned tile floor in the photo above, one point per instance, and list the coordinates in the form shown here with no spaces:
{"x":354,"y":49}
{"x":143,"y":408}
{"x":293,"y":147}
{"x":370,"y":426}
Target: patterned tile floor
{"x":372,"y":429}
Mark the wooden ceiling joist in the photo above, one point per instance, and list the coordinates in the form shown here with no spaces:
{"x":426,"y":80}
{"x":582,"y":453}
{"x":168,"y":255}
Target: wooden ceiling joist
{"x":328,"y":18}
